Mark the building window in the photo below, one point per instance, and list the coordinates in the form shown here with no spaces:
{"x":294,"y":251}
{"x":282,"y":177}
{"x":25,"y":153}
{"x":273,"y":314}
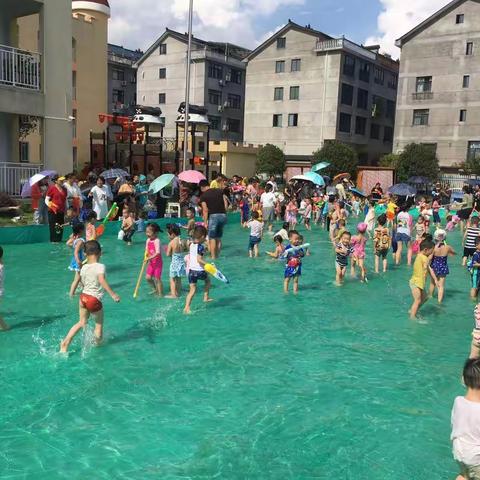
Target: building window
{"x":390,"y":113}
{"x":364,"y":72}
{"x":162,"y":49}
{"x":294,"y":93}
{"x":236,"y":76}
{"x":360,"y":125}
{"x":201,"y":147}
{"x":279,"y":66}
{"x":233,"y":125}
{"x":215,"y":71}
{"x":118,"y":96}
{"x":293,"y":119}
{"x":460,"y":18}
{"x":215,"y":97}
{"x":423,"y":84}
{"x":420,"y":117}
{"x":162,"y":98}
{"x":296,"y":65}
{"x":362,"y":98}
{"x":463,"y":116}
{"x":393,"y":81}
{"x":277,"y":120}
{"x":214,"y":122}
{"x":345,"y":123}
{"x":24,"y":152}
{"x":162,"y":73}
{"x":469,"y":50}
{"x":388,"y":134}
{"x":234,"y":101}
{"x":349,"y":66}
{"x":379,"y":76}
{"x":466,"y":81}
{"x":278,"y":93}
{"x":281,"y":42}
{"x":474,"y":150}
{"x":347,"y":94}
{"x":118,"y":74}
{"x":375,"y":131}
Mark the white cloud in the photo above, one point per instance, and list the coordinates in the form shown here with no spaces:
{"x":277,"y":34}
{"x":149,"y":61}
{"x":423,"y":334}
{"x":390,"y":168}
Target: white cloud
{"x":140,"y":25}
{"x":398,"y":17}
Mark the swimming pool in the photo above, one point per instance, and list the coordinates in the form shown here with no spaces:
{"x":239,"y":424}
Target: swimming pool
{"x":334,"y":383}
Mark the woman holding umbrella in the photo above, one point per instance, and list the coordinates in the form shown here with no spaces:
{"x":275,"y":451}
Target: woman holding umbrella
{"x":56,"y":201}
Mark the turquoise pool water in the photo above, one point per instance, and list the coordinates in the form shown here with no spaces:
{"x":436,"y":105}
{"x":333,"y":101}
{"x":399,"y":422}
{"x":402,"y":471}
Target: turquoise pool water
{"x":334,"y":383}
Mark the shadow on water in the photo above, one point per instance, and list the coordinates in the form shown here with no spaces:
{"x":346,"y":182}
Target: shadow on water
{"x":135,"y":333}
{"x":36,"y":322}
{"x":237,"y":302}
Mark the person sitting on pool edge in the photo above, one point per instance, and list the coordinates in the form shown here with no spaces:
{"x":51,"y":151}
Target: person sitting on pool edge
{"x":92,"y":276}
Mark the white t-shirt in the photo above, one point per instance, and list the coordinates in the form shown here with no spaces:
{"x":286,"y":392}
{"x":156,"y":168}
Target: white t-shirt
{"x":282,"y":233}
{"x":466,"y":431}
{"x":100,"y":200}
{"x":1,"y":279}
{"x":256,"y":228}
{"x":403,"y":223}
{"x":89,"y":276}
{"x":196,"y":250}
{"x":268,"y":200}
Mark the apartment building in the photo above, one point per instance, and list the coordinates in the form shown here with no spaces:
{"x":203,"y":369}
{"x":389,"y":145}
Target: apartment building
{"x":217,"y":82}
{"x":35,"y":88}
{"x":122,"y":78}
{"x":439,"y":84}
{"x":305,"y":88}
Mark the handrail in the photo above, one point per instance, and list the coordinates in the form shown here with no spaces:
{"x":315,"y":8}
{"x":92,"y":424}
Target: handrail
{"x":19,"y":68}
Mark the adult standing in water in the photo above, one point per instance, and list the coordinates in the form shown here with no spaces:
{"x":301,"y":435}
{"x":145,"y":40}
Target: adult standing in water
{"x":100,"y":194}
{"x":214,"y":205}
{"x":74,"y":195}
{"x":56,"y":201}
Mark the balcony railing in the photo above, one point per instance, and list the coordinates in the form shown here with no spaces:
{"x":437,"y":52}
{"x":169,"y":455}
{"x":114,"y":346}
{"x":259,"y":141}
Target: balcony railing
{"x":14,"y":175}
{"x":343,"y":44}
{"x":422,"y":95}
{"x":19,"y":68}
{"x":206,"y":53}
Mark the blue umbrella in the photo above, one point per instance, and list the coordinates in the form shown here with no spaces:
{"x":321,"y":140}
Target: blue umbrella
{"x":161,"y":182}
{"x":315,"y":178}
{"x":358,"y":192}
{"x":402,"y":190}
{"x":320,"y":166}
{"x":419,"y":180}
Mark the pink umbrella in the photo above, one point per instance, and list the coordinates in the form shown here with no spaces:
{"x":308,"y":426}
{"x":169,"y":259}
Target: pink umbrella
{"x":191,"y":176}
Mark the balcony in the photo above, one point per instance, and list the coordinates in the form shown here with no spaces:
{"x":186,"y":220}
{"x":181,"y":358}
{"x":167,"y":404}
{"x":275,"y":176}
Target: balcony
{"x":19,"y":68}
{"x":207,"y":54}
{"x":344,"y":44}
{"x":422,"y":96}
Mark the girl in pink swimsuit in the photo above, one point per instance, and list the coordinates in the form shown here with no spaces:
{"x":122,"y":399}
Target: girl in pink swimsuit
{"x":153,"y":255}
{"x":358,"y":257}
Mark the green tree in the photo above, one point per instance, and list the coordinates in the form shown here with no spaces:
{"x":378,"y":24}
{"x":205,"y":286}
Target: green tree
{"x":472,"y":165}
{"x":270,"y":160}
{"x":391,"y":160}
{"x":342,"y":158}
{"x":417,"y":160}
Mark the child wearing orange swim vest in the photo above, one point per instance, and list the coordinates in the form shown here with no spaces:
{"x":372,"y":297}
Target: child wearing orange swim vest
{"x":92,"y":276}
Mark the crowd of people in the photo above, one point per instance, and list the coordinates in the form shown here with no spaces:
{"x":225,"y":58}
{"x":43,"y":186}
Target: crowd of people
{"x":390,"y":228}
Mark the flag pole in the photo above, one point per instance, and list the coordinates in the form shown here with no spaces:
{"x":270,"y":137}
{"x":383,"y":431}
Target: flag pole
{"x":187,"y":86}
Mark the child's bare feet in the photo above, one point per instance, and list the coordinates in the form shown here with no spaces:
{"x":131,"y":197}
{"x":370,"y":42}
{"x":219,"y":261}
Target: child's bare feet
{"x":187,"y":311}
{"x":63,"y":347}
{"x":208,"y":299}
{"x":171,"y":296}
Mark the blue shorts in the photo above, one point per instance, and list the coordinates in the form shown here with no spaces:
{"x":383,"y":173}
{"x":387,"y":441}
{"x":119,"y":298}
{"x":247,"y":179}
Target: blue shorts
{"x":402,"y":237}
{"x":194,"y":276}
{"x":253,"y":241}
{"x":216,"y":222}
{"x":475,"y":278}
{"x":436,"y":217}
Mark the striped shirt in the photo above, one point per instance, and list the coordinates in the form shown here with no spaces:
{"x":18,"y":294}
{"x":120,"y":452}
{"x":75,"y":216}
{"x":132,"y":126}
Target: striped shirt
{"x":471,"y":236}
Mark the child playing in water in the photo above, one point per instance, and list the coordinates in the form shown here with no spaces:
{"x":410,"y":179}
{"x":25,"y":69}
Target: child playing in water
{"x":293,"y":267}
{"x":474,"y":268}
{"x":358,"y":243}
{"x":153,"y":255}
{"x":343,"y":250}
{"x":338,"y":231}
{"x":279,"y":247}
{"x":90,"y":231}
{"x":381,"y":243}
{"x":190,"y":213}
{"x":436,"y":213}
{"x":244,"y":210}
{"x":466,"y":423}
{"x":419,"y":278}
{"x":469,"y":239}
{"x":420,"y":230}
{"x":140,"y":222}
{"x":176,"y":249}
{"x":283,"y":232}
{"x":92,"y":276}
{"x":439,"y":262}
{"x":3,"y":324}
{"x":128,"y":226}
{"x":307,"y":213}
{"x":256,"y":232}
{"x":196,"y":268}
{"x":291,"y":213}
{"x":78,"y":245}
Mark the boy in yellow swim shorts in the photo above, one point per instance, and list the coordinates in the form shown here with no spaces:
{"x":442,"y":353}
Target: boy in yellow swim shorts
{"x":421,"y":268}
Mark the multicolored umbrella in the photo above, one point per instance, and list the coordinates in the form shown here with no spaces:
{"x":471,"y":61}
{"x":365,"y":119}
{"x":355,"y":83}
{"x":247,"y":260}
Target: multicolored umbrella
{"x":161,"y":182}
{"x":114,"y":173}
{"x":191,"y":176}
{"x":320,"y":166}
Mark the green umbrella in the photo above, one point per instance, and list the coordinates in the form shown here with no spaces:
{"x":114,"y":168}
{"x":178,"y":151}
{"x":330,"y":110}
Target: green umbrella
{"x":161,"y":182}
{"x":320,"y":166}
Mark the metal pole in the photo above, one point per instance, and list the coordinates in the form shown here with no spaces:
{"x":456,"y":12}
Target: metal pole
{"x":187,"y":86}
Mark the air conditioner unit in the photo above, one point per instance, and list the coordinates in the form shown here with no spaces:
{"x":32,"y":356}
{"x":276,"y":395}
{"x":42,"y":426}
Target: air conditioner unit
{"x":124,"y":83}
{"x":220,"y":108}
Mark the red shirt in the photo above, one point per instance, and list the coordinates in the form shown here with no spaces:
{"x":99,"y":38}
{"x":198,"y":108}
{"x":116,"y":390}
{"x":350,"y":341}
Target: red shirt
{"x":36,"y":195}
{"x":58,"y":197}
